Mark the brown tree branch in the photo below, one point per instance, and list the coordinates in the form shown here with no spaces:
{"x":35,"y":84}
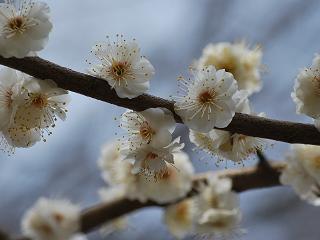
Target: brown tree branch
{"x":243,"y":179}
{"x":99,"y":89}
{"x":3,"y":235}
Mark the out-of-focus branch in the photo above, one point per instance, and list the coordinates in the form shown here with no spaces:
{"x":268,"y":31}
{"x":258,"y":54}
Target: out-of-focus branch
{"x":3,"y":236}
{"x":99,"y":89}
{"x":243,"y":179}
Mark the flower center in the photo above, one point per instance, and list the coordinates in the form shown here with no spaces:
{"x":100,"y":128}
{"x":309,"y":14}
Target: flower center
{"x":316,"y":162}
{"x":316,"y":82}
{"x":182,"y":211}
{"x":146,"y":132}
{"x":169,"y":174}
{"x":151,"y":156}
{"x":16,"y":23}
{"x":58,"y":217}
{"x":228,"y":145}
{"x":119,"y":70}
{"x":207,"y":96}
{"x":214,"y":202}
{"x":39,"y":101}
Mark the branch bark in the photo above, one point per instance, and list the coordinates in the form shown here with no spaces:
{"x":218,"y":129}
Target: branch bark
{"x":243,"y":179}
{"x":90,"y":86}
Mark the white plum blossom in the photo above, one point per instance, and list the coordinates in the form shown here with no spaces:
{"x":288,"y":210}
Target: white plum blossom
{"x":218,"y":222}
{"x":44,"y":103}
{"x":237,"y":58}
{"x":10,"y":94}
{"x":213,"y":213}
{"x":170,"y":186}
{"x":29,"y":107}
{"x":302,"y":172}
{"x":173,"y":184}
{"x":11,"y":97}
{"x":226,"y":145}
{"x":217,"y":209}
{"x":217,"y":194}
{"x":24,"y":27}
{"x":306,"y":93}
{"x":179,"y":218}
{"x":207,"y":100}
{"x":116,"y":171}
{"x":51,"y":219}
{"x":123,"y":67}
{"x":152,"y":161}
{"x":153,"y":126}
{"x":20,"y":137}
{"x":111,"y":164}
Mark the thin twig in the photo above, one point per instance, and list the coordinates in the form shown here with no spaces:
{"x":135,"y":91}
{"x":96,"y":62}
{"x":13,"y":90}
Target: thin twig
{"x":99,"y":89}
{"x":263,"y":161}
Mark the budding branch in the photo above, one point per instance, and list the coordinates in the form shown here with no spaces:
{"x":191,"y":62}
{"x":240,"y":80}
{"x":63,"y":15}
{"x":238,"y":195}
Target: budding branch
{"x":90,"y":86}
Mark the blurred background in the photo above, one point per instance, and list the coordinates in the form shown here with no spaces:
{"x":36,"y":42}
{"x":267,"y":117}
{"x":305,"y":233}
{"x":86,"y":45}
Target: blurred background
{"x":171,"y":34}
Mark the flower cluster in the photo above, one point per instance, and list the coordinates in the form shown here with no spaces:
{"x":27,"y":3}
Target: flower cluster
{"x":171,"y":186}
{"x":215,"y":212}
{"x":52,"y":219}
{"x":226,"y":145}
{"x":24,"y":27}
{"x":217,"y":208}
{"x":302,"y":172}
{"x":29,"y":108}
{"x":149,"y":141}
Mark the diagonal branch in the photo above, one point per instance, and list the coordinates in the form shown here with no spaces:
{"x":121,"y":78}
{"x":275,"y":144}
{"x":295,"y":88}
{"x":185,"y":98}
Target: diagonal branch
{"x":99,"y":89}
{"x":243,"y":179}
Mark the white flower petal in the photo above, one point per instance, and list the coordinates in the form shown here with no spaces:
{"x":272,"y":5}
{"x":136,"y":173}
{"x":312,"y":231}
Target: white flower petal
{"x":122,"y":67}
{"x":208,"y":100}
{"x":25,"y":30}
